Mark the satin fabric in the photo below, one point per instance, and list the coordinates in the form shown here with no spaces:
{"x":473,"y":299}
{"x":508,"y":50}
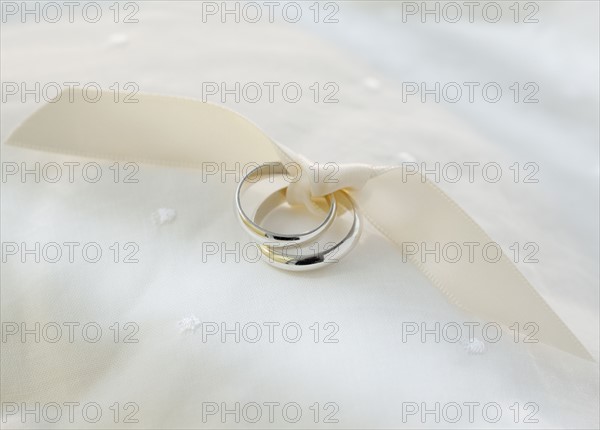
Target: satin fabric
{"x":405,"y":208}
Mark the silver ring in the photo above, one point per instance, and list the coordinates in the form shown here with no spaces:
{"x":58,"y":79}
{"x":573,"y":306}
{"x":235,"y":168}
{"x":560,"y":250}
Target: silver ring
{"x":263,"y":235}
{"x":277,"y":255}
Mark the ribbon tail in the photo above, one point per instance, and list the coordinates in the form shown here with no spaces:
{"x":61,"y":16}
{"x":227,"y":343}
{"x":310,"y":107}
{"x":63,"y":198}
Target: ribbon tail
{"x":159,"y":130}
{"x":409,"y":210}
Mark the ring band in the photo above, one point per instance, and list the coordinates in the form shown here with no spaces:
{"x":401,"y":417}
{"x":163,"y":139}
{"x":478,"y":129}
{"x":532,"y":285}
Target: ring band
{"x":275,"y":255}
{"x":263,"y":235}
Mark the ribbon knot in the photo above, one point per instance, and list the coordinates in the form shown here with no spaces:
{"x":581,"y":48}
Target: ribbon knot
{"x":316,"y":179}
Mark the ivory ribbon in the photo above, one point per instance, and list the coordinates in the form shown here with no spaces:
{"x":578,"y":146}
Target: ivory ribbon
{"x":185,"y":132}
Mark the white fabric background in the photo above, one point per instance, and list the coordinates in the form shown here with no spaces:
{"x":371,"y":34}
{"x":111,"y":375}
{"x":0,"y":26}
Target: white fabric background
{"x":370,"y":372}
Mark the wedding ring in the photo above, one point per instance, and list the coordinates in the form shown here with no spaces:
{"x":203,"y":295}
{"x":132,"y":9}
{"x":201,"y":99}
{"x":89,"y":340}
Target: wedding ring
{"x":312,"y":259}
{"x":263,"y":235}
